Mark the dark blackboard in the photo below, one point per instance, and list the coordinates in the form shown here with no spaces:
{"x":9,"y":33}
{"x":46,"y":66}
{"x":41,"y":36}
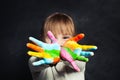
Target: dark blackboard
{"x":98,"y":19}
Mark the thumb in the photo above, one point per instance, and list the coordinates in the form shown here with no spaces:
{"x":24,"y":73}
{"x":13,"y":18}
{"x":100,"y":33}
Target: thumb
{"x":51,"y":37}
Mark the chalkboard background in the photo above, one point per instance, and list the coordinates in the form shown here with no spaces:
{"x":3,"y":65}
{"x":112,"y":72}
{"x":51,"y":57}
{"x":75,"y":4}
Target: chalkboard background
{"x":98,"y":19}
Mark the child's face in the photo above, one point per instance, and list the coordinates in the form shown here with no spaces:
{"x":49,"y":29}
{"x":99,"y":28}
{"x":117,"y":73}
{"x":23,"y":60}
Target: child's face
{"x":60,"y":38}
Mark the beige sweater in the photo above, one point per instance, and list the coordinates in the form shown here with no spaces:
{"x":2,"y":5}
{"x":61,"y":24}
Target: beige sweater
{"x":61,"y":71}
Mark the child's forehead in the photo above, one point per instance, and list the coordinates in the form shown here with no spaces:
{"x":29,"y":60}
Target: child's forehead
{"x":63,"y":30}
{"x":62,"y":33}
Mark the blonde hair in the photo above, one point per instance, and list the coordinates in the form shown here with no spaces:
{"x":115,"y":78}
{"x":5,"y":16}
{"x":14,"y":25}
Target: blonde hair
{"x":58,"y":23}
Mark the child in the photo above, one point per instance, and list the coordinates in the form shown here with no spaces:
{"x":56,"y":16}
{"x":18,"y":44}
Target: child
{"x":62,"y":26}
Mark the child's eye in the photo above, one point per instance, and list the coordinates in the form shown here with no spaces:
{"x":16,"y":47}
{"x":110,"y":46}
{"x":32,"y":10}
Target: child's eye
{"x":66,"y":37}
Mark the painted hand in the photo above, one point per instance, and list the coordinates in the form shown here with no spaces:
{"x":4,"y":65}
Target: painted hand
{"x":83,"y":50}
{"x":50,"y":53}
{"x":76,"y":51}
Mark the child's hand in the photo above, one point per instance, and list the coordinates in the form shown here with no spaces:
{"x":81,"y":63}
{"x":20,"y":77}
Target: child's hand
{"x":76,"y":51}
{"x":83,"y":50}
{"x":50,"y":53}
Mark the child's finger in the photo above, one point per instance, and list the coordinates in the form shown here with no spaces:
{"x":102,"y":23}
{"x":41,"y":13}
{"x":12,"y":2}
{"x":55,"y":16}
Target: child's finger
{"x":35,"y":47}
{"x":36,"y":41}
{"x":83,"y":53}
{"x":51,"y":37}
{"x":38,"y":54}
{"x":86,"y":53}
{"x":37,"y":63}
{"x":43,"y":61}
{"x":88,"y":47}
{"x":77,"y":37}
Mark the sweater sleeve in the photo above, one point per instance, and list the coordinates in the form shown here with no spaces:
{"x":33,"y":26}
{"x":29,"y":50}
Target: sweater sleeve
{"x":80,"y":64}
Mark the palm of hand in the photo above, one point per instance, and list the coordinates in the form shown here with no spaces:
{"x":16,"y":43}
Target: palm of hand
{"x":49,"y":53}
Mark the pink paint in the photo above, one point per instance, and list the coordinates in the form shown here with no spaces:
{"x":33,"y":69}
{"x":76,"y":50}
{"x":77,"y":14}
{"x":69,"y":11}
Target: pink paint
{"x":66,"y":56}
